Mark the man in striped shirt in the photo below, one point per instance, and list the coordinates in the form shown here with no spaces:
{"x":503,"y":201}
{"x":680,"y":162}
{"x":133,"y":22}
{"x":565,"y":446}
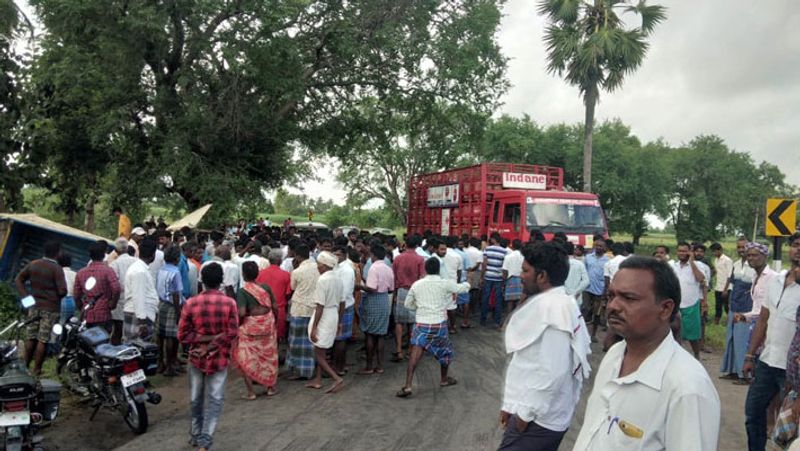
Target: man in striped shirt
{"x":492,"y":280}
{"x":430,"y":298}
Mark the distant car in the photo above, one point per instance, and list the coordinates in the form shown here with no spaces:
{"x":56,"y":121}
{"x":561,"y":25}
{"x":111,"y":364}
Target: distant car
{"x":381,"y":231}
{"x":310,"y":225}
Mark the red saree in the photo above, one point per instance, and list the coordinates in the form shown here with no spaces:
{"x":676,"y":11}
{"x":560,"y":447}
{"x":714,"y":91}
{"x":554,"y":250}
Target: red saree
{"x":256,"y":350}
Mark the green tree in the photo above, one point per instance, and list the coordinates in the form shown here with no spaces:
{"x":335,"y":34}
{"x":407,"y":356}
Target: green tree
{"x":588,"y":43}
{"x":16,"y":169}
{"x":394,"y":137}
{"x":215,"y":101}
{"x":718,"y":191}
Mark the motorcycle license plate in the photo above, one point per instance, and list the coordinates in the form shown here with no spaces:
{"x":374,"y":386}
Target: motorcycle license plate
{"x":133,"y":378}
{"x":21,"y":418}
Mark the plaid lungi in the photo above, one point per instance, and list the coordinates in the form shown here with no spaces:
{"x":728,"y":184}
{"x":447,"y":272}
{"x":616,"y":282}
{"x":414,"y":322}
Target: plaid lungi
{"x":403,"y":315}
{"x":345,"y":330}
{"x":435,"y":339}
{"x":375,"y":310}
{"x":513,"y":288}
{"x":167,"y":320}
{"x":301,"y":350}
{"x":130,"y":328}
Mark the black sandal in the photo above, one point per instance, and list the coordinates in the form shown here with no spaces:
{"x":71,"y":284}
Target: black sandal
{"x":448,"y":382}
{"x":404,"y":392}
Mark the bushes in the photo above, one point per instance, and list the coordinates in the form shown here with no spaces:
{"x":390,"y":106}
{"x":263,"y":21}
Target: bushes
{"x":9,"y":305}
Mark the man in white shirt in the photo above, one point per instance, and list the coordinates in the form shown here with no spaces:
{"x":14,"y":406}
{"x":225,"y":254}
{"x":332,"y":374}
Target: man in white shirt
{"x":475,"y":256}
{"x":231,"y":276}
{"x":454,"y":263}
{"x":345,"y":272}
{"x":774,"y":330}
{"x":430,"y":297}
{"x":120,"y":266}
{"x":612,"y":266}
{"x":724,"y":267}
{"x":512,"y":268}
{"x":649,"y":393}
{"x":693,"y":276}
{"x":140,"y":296}
{"x":549,"y":344}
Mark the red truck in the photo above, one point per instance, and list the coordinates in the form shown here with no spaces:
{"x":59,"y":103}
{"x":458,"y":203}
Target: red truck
{"x":508,"y":198}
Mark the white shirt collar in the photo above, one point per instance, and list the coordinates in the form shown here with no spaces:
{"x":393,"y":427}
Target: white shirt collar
{"x":651,"y":370}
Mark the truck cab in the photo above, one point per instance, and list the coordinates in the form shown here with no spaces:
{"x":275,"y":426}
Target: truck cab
{"x":515,"y":213}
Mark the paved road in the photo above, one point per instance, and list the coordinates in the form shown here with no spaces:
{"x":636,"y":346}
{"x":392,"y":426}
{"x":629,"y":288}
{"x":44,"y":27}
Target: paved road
{"x":366,"y":415}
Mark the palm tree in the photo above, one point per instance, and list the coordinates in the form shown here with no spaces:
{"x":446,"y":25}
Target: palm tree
{"x":589,"y":44}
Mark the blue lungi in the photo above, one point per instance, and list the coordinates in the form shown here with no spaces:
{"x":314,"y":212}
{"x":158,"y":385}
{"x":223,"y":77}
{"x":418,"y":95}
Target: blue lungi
{"x":346,"y":324}
{"x":375,"y":310}
{"x":301,"y":350}
{"x":67,"y":308}
{"x":513,"y":288}
{"x":737,"y":336}
{"x":435,"y":339}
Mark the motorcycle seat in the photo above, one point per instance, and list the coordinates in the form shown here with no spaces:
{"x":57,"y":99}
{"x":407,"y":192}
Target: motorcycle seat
{"x":123,"y":352}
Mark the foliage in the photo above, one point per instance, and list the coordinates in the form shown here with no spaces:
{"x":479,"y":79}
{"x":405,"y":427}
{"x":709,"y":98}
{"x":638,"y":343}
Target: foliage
{"x":217,"y":101}
{"x":396,"y":136}
{"x":9,"y":305}
{"x":704,"y":188}
{"x":589,"y":45}
{"x":718,"y":191}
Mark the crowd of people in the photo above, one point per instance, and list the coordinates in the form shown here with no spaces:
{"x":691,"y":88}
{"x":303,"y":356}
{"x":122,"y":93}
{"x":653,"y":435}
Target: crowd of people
{"x":257,"y":296}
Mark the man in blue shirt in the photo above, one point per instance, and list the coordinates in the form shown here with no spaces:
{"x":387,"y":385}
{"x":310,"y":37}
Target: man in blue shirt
{"x":169,"y":287}
{"x":592,"y":307}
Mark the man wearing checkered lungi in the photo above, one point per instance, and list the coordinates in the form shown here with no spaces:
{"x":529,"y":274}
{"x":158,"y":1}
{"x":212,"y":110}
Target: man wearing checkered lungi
{"x":408,"y":267}
{"x":345,"y":272}
{"x":304,"y":284}
{"x":429,"y":297}
{"x":141,"y":299}
{"x":512,"y":268}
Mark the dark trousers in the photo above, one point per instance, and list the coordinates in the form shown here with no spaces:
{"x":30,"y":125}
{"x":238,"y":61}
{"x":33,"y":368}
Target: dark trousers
{"x":486,"y":295}
{"x":533,"y":438}
{"x":721,"y":303}
{"x":768,"y":382}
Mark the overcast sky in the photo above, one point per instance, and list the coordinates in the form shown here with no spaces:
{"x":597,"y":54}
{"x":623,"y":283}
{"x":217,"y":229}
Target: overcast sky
{"x":724,"y":67}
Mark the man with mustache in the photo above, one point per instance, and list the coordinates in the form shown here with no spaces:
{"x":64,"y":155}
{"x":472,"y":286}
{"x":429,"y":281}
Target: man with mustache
{"x":549,"y":345}
{"x":649,"y":393}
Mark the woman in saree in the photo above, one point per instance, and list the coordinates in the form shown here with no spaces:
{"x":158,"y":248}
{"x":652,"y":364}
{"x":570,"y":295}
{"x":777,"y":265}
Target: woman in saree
{"x":256,"y":350}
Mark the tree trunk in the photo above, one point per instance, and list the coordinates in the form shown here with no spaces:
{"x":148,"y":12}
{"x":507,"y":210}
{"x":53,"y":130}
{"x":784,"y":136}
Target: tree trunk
{"x":590,"y":99}
{"x":90,"y":201}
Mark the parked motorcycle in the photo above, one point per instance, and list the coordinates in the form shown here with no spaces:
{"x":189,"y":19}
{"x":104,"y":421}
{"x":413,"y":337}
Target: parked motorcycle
{"x":114,"y":377}
{"x":26,"y":404}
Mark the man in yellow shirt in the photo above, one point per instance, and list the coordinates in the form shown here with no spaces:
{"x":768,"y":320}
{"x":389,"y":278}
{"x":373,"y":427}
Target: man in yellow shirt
{"x":124,"y":225}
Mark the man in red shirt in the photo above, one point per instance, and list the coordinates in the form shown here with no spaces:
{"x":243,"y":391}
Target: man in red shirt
{"x":408,"y":267}
{"x":279,"y":281}
{"x":208,"y":326}
{"x":105,"y":293}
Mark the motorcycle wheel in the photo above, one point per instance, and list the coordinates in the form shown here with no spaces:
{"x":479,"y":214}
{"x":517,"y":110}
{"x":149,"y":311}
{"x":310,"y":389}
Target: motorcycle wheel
{"x":72,"y":378}
{"x":134,"y":413}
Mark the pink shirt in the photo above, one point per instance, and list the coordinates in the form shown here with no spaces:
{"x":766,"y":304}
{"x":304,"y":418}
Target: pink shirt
{"x":380,"y":277}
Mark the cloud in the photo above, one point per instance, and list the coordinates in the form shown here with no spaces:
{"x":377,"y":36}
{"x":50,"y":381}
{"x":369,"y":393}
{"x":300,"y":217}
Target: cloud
{"x":719,"y":67}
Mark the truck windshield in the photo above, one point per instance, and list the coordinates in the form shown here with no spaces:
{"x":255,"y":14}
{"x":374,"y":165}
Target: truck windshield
{"x":561,"y":215}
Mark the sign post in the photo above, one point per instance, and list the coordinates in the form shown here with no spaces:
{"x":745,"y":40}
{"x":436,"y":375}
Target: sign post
{"x":781,"y":221}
